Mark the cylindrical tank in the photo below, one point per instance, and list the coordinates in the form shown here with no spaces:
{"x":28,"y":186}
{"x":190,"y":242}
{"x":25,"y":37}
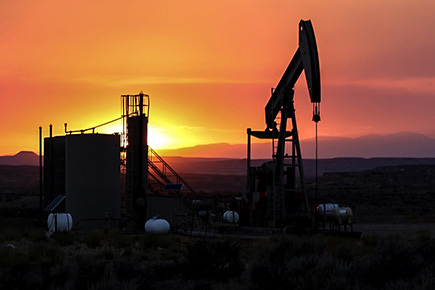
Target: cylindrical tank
{"x":231,"y":217}
{"x":137,"y":173}
{"x":59,"y":222}
{"x":157,"y":226}
{"x":326,"y":208}
{"x":148,"y":225}
{"x":341,"y":215}
{"x":92,"y":179}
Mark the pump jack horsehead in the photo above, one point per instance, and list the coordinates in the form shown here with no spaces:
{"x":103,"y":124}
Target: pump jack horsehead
{"x":276,"y":190}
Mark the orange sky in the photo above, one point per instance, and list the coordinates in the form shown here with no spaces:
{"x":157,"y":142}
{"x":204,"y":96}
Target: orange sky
{"x":208,"y":66}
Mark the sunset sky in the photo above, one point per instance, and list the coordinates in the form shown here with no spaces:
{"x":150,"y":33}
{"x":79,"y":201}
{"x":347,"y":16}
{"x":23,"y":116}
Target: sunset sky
{"x":208,"y":66}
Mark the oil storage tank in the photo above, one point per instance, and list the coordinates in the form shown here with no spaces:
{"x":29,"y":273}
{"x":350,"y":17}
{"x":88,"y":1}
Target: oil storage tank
{"x":92,"y":179}
{"x":54,"y":168}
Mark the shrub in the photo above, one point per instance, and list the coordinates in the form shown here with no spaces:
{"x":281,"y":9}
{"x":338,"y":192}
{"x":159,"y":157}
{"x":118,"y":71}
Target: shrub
{"x":346,"y":252}
{"x":36,"y":235}
{"x":94,"y":238}
{"x":213,"y":259}
{"x":10,"y":234}
{"x":393,"y":259}
{"x":10,"y":257}
{"x":45,"y":254}
{"x":22,"y":276}
{"x":301,"y":263}
{"x":106,"y":253}
{"x":64,"y":238}
{"x":58,"y":275}
{"x":154,"y":241}
{"x":86,"y":271}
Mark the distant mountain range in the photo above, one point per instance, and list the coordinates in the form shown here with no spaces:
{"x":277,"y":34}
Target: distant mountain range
{"x":398,"y":145}
{"x":21,"y":158}
{"x":237,"y":165}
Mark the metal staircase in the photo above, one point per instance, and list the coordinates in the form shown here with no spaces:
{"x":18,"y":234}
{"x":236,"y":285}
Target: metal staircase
{"x":162,"y":174}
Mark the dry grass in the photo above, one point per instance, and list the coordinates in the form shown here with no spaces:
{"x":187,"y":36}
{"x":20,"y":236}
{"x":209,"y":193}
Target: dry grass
{"x":107,"y":259}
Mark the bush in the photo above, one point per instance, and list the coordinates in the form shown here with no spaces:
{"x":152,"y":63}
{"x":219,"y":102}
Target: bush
{"x":213,"y":259}
{"x":94,"y":238}
{"x":302,"y":263}
{"x":106,"y":259}
{"x":45,"y":254}
{"x":64,"y":238}
{"x":391,"y":260}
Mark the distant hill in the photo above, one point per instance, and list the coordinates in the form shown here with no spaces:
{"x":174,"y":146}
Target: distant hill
{"x":222,"y":166}
{"x":403,"y":144}
{"x":21,"y":158}
{"x":398,"y":145}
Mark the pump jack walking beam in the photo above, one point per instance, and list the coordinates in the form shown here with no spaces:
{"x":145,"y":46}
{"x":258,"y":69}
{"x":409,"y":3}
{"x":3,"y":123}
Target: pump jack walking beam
{"x":305,"y":58}
{"x":282,"y":192}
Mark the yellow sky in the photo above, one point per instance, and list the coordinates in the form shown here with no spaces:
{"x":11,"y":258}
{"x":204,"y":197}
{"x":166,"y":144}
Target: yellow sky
{"x":208,"y":66}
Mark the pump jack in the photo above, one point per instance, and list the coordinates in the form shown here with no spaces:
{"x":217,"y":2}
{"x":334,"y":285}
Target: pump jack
{"x":281,"y":199}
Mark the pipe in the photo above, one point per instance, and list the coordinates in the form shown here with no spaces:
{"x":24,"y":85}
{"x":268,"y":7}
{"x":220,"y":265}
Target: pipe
{"x":51,"y":165}
{"x":248,"y":173}
{"x":40,"y":170}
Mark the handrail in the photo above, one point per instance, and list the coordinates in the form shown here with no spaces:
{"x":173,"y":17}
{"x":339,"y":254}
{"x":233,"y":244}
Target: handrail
{"x":166,"y":166}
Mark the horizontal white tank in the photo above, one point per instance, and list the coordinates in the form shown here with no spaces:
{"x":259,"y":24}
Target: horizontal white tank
{"x":157,"y":226}
{"x":326,"y":208}
{"x":342,"y":215}
{"x":231,"y":217}
{"x":59,"y":222}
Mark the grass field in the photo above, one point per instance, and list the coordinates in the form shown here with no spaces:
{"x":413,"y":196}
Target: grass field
{"x":107,"y":259}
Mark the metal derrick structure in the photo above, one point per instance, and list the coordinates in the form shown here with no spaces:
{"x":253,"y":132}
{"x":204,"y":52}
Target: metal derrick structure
{"x":159,"y":170}
{"x":282,"y":180}
{"x":146,"y":171}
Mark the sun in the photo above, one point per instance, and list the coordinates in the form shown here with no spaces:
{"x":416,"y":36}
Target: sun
{"x":156,"y":139}
{"x":156,"y":136}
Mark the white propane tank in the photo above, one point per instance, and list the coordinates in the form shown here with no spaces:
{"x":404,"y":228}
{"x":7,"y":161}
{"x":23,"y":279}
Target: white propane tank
{"x":326,"y":208}
{"x":148,"y":225}
{"x":63,"y":221}
{"x":342,"y":216}
{"x":231,"y":217}
{"x":157,"y":226}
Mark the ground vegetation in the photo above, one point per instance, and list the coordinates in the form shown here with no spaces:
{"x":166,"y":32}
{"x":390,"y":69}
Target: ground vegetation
{"x":108,"y":259}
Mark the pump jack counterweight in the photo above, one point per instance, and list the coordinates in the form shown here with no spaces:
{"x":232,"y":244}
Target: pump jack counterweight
{"x":276,"y":190}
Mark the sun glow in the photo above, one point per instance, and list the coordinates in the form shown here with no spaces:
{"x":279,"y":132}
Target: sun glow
{"x":156,"y":139}
{"x":208,"y":83}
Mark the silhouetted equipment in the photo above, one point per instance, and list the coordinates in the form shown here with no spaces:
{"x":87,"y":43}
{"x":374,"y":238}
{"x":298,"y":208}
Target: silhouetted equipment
{"x":341,"y":216}
{"x":59,"y":222}
{"x":276,"y":190}
{"x":93,"y":179}
{"x":41,"y":189}
{"x":136,"y":110}
{"x":147,"y":173}
{"x":156,"y":225}
{"x":85,"y":169}
{"x":54,"y":168}
{"x":52,"y":206}
{"x":174,"y":186}
{"x":161,"y":175}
